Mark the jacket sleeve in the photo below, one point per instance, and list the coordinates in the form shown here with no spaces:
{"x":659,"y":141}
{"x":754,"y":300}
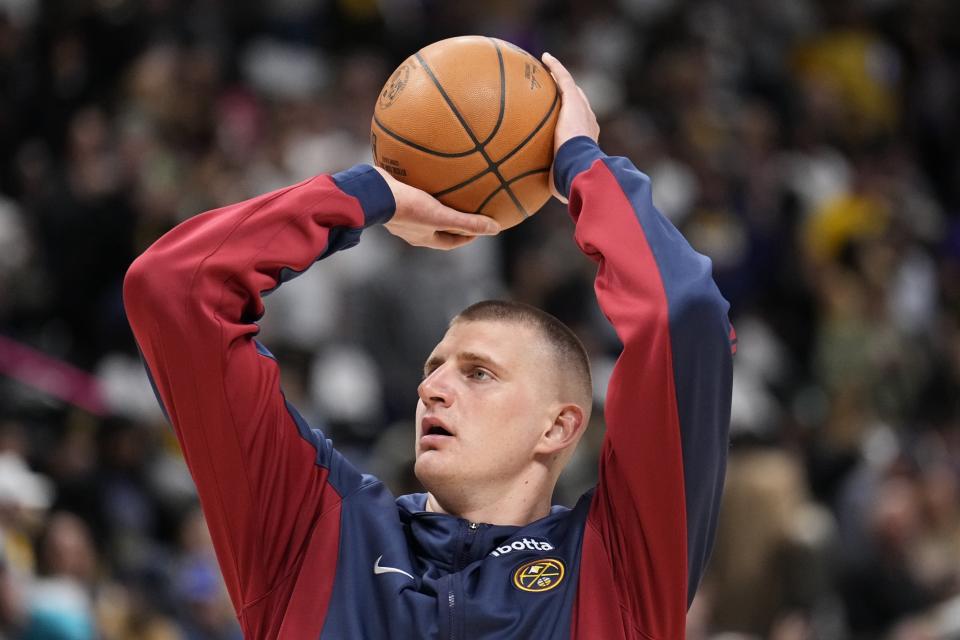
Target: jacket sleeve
{"x":266,"y":480}
{"x":668,"y":402}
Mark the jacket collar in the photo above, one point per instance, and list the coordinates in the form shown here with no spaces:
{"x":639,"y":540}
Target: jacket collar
{"x":443,"y":541}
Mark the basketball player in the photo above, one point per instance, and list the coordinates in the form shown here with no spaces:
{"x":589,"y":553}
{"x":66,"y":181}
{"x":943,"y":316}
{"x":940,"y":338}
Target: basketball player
{"x":311,"y":548}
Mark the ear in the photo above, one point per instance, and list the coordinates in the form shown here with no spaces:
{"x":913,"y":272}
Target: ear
{"x":565,"y":430}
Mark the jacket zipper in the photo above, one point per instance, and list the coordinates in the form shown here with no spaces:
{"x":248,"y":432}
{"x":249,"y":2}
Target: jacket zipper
{"x":472,"y":529}
{"x":452,"y":603}
{"x":462,"y":558}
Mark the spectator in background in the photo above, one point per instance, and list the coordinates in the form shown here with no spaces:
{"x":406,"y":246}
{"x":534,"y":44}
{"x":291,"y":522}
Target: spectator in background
{"x":61,"y":599}
{"x":771,"y":567}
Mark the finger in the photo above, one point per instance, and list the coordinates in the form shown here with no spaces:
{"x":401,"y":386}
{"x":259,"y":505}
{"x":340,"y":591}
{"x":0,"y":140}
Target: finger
{"x":560,"y":74}
{"x":446,"y":241}
{"x":466,"y":223}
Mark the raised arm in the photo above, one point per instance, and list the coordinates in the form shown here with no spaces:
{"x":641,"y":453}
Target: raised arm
{"x":667,"y":411}
{"x":268,"y":483}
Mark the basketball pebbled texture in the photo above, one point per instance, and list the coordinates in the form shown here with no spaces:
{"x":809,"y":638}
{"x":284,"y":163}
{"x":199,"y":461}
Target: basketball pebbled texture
{"x":470,"y":120}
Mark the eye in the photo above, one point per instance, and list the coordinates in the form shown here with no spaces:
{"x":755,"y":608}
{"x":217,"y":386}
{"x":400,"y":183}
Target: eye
{"x":479,"y":374}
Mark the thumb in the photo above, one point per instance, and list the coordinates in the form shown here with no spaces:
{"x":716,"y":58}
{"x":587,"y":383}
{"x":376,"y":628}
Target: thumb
{"x":564,"y":80}
{"x":454,"y":221}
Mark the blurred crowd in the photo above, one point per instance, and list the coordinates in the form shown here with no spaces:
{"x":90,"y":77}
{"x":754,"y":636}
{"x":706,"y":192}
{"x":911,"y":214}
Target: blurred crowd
{"x":807,"y":146}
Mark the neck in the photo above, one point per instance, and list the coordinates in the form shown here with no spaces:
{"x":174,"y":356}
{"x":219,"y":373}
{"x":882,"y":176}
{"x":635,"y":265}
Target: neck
{"x":519,"y":504}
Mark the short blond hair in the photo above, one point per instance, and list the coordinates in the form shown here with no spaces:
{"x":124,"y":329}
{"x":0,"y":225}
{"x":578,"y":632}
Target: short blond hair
{"x":563,"y":342}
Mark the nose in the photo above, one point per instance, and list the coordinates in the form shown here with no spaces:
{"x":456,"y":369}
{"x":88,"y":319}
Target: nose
{"x":435,"y":390}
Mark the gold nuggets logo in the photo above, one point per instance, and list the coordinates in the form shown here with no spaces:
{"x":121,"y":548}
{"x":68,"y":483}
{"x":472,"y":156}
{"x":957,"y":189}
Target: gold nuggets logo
{"x":538,"y":576}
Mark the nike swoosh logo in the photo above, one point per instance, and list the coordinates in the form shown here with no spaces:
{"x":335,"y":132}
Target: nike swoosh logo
{"x":377,"y":569}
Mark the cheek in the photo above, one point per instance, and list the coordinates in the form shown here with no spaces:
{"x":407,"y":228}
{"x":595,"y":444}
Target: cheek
{"x":510,"y":424}
{"x":499,"y":419}
{"x":514,"y":402}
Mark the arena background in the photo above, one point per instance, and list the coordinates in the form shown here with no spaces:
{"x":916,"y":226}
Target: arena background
{"x":807,"y":146}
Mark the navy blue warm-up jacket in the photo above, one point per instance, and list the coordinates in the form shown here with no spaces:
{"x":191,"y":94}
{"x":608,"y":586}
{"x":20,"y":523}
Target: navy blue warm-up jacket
{"x":312,"y":548}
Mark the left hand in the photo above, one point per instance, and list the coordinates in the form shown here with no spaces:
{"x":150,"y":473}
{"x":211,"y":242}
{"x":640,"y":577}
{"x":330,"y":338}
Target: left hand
{"x":423,"y":221}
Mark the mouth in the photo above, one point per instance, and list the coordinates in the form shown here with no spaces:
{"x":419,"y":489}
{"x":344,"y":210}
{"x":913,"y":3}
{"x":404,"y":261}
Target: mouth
{"x":434,"y":432}
{"x":437,"y":431}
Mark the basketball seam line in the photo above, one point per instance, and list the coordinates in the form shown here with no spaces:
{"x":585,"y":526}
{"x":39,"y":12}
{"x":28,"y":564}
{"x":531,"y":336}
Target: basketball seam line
{"x":395,"y":136}
{"x":535,"y":131}
{"x":501,"y":161}
{"x":469,"y":131}
{"x":456,"y":187}
{"x":511,"y":181}
{"x":503,"y":92}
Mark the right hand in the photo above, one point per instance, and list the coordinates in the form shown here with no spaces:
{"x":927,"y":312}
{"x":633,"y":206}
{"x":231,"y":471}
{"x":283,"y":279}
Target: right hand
{"x":576,"y":117}
{"x":422,"y":221}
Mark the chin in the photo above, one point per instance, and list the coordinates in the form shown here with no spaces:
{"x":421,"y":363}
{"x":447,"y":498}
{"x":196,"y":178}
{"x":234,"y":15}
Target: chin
{"x":433,"y":471}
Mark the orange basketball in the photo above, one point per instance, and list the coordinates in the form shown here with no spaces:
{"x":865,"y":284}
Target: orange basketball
{"x":470,"y":120}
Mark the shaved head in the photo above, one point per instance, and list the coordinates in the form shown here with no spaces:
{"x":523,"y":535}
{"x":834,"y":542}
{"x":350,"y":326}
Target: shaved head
{"x":571,"y":370}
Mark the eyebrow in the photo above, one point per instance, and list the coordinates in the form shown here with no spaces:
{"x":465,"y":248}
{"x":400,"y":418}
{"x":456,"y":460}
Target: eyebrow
{"x":465,"y":356}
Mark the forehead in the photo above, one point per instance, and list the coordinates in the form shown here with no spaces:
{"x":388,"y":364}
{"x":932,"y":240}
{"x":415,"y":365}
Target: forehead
{"x":507,"y":342}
